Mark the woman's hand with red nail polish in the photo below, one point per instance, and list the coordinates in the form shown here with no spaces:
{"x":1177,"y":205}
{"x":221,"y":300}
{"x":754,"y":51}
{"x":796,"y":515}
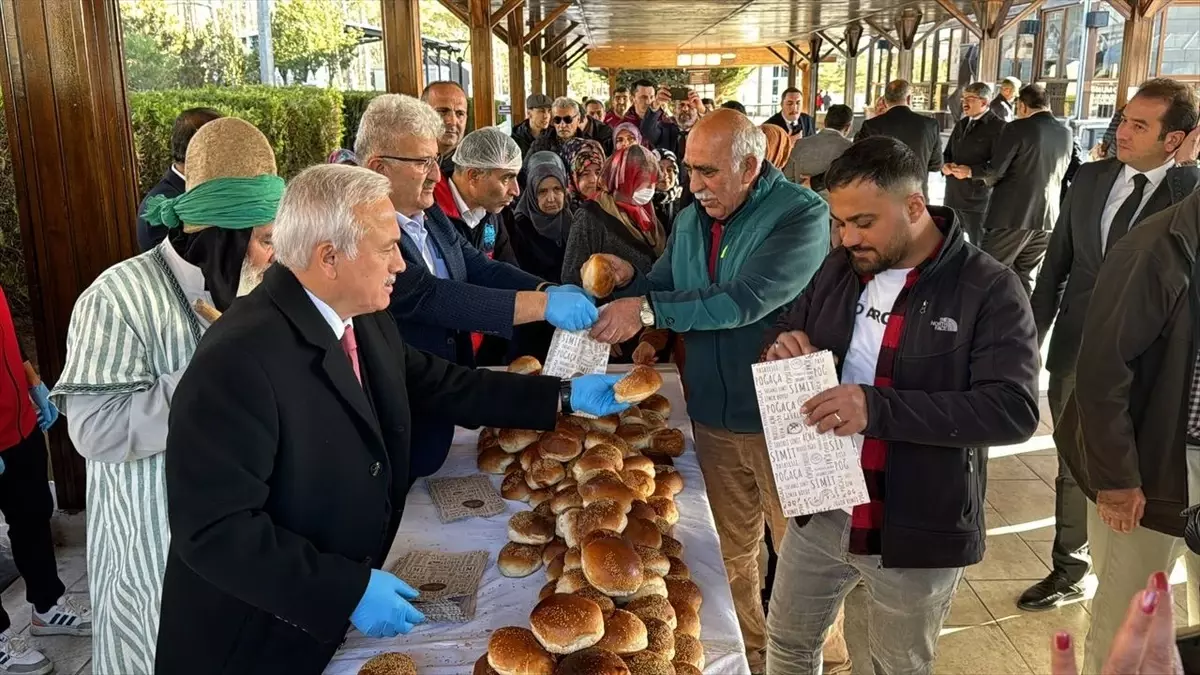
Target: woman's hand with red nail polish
{"x":1145,"y":643}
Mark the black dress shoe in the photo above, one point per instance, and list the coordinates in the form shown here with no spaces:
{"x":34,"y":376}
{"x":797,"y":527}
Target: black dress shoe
{"x":1049,"y":593}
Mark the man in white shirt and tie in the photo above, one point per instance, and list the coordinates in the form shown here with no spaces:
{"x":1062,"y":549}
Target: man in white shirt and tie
{"x":1154,"y":169}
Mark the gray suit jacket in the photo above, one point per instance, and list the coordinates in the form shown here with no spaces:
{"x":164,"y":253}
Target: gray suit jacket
{"x":1064,"y":285}
{"x":812,"y":155}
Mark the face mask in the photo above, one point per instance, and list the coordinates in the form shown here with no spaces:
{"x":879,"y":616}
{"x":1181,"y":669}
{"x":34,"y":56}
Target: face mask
{"x":643,"y":196}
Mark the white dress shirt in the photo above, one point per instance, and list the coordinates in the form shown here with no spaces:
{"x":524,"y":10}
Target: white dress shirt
{"x":336,"y":323}
{"x":472,"y":217}
{"x":1122,"y":188}
{"x":415,"y":228}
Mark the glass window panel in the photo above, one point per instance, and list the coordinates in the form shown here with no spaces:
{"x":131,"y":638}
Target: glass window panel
{"x":1008,"y":50}
{"x":1108,"y":47}
{"x":1024,"y":66}
{"x":1052,"y":44}
{"x":1073,"y":43}
{"x":1181,"y":45}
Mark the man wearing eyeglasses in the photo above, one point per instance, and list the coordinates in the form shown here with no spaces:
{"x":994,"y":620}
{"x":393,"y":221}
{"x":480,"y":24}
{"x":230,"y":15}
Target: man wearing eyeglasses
{"x":968,"y":153}
{"x":454,"y":291}
{"x":567,"y":122}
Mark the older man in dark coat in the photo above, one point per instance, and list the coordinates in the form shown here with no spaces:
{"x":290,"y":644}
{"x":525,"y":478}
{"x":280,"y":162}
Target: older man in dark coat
{"x":287,"y":455}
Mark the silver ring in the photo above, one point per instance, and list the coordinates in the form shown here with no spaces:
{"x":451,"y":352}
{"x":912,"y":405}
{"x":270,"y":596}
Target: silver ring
{"x":839,"y":419}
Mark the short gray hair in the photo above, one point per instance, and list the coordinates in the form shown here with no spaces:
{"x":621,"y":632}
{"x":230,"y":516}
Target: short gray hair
{"x":897,"y":91}
{"x":748,"y":141}
{"x":566,"y":102}
{"x":318,"y":206}
{"x":391,"y":115}
{"x":981,"y":89}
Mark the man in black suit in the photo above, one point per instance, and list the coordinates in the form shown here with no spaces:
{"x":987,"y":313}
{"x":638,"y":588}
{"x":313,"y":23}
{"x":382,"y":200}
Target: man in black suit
{"x":970,"y":148}
{"x":288,"y":443}
{"x":1153,"y":170}
{"x":1003,"y":105}
{"x":789,"y":118}
{"x":173,"y":182}
{"x":918,"y":132}
{"x":1028,"y":165}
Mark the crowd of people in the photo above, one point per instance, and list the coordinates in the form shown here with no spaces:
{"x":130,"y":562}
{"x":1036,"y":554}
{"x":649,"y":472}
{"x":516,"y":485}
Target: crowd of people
{"x":354,"y":307}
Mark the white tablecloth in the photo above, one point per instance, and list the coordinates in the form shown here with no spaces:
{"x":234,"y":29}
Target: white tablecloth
{"x":452,"y":649}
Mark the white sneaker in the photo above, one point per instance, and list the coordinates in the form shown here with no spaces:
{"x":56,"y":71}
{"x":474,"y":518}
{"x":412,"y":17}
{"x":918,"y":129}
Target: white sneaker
{"x":68,"y":617}
{"x":18,"y":658}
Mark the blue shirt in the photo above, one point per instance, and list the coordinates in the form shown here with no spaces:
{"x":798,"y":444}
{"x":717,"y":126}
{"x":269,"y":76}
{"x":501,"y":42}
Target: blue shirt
{"x":415,"y":229}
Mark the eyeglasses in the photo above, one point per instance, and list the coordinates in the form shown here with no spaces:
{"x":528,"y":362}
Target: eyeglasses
{"x":563,"y":120}
{"x":425,"y":163}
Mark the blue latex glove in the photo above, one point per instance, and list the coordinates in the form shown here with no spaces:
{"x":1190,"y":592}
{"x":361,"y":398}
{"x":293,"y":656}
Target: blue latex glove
{"x":593,"y":394}
{"x":570,"y":311}
{"x":47,"y":414}
{"x":383,"y":610}
{"x":566,"y":288}
{"x":1,"y":466}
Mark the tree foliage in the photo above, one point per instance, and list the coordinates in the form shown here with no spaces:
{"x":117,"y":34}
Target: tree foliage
{"x":306,"y":36}
{"x":162,"y":53}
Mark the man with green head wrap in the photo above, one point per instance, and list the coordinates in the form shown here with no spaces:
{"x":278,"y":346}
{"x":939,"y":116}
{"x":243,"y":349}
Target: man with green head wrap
{"x":132,"y":334}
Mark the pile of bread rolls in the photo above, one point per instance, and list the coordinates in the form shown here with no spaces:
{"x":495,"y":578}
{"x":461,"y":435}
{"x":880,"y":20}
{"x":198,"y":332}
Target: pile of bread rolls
{"x":619,"y":597}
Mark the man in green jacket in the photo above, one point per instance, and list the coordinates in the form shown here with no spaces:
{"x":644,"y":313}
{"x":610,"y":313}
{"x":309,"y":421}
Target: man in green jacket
{"x":746,"y":248}
{"x":1130,"y":433}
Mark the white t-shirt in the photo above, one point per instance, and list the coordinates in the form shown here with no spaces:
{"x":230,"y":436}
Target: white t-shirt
{"x":874,"y":306}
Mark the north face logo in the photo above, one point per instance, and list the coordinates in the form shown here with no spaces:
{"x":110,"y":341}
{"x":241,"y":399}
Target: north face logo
{"x":945,"y":324}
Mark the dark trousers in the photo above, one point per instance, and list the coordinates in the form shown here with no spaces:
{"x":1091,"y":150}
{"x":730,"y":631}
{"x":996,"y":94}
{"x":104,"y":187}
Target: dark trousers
{"x":1070,"y":552}
{"x":972,"y":224}
{"x":27,"y":506}
{"x":1020,"y":250}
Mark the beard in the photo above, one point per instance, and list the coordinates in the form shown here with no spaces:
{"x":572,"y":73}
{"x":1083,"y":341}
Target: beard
{"x":251,"y":277}
{"x":868,"y":261}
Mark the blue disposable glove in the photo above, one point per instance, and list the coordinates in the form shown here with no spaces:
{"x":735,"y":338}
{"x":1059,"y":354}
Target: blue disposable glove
{"x":593,"y":394}
{"x":1,"y":466}
{"x":383,"y":610}
{"x":47,"y":414}
{"x":566,"y":288}
{"x":570,"y":311}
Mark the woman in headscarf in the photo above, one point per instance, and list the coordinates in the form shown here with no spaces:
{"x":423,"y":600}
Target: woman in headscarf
{"x":779,"y":145}
{"x":538,"y":235}
{"x":625,"y":135}
{"x":586,"y":180}
{"x":619,"y":221}
{"x":668,"y":192}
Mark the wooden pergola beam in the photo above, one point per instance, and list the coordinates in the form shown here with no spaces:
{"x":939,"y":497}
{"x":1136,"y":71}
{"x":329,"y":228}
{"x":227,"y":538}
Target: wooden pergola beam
{"x":482,"y":79}
{"x":797,"y":51}
{"x":835,"y":44}
{"x":577,"y":58}
{"x":537,"y":28}
{"x":516,"y":64}
{"x":953,"y":10}
{"x":933,"y":29}
{"x":998,"y":25}
{"x":552,"y":42}
{"x":402,"y":47}
{"x":883,"y":32}
{"x":567,"y":50}
{"x":460,"y":13}
{"x":1032,"y":7}
{"x":505,"y":9}
{"x":779,"y":56}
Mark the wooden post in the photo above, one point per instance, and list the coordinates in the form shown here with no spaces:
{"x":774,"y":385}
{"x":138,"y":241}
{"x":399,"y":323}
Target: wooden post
{"x":482,"y":79}
{"x":792,"y":70}
{"x":612,"y":84}
{"x":516,"y":64}
{"x":814,"y":56}
{"x":536,"y":80}
{"x":1135,"y":48}
{"x":1087,"y":76}
{"x":906,"y":29}
{"x":853,"y":38}
{"x":402,"y":59}
{"x":74,"y":171}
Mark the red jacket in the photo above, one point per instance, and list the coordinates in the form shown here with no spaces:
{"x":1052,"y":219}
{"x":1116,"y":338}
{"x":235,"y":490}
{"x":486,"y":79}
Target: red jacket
{"x":17,"y":416}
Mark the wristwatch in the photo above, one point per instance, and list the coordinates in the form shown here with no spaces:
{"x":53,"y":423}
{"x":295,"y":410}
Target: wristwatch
{"x":646,"y":313}
{"x":564,"y":397}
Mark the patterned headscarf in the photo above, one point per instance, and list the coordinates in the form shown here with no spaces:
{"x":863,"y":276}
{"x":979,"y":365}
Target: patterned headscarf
{"x":587,"y":157}
{"x":629,"y":169}
{"x":631,"y":128}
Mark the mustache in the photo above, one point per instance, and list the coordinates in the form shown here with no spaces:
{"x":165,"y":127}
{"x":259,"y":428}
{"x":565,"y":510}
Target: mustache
{"x":428,"y":184}
{"x":705,"y":194}
{"x":391,"y":280}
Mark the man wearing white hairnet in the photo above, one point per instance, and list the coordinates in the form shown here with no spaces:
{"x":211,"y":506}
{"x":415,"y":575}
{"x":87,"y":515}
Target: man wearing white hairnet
{"x":452,"y":291}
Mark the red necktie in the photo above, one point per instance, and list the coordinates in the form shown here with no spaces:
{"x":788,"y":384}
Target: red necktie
{"x":350,"y":346}
{"x":718,"y":229}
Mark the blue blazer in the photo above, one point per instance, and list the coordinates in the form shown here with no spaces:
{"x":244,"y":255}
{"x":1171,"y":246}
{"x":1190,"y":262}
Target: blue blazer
{"x":438,"y":315}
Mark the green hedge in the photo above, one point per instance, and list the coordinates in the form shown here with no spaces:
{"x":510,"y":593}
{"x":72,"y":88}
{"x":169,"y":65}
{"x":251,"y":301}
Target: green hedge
{"x":303,"y":124}
{"x":354,"y":103}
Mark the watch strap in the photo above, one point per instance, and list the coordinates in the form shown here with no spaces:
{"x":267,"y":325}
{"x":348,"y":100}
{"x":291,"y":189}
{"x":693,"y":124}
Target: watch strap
{"x":564,"y":397}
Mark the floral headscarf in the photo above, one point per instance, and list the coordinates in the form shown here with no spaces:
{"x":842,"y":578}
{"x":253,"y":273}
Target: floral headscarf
{"x":587,"y":157}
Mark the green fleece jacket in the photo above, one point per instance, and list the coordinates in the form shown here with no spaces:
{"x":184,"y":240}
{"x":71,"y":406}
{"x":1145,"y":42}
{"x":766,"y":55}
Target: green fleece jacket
{"x":769,"y":250}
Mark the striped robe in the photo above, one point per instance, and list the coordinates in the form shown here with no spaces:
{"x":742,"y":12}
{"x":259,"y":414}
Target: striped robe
{"x":130,"y":327}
